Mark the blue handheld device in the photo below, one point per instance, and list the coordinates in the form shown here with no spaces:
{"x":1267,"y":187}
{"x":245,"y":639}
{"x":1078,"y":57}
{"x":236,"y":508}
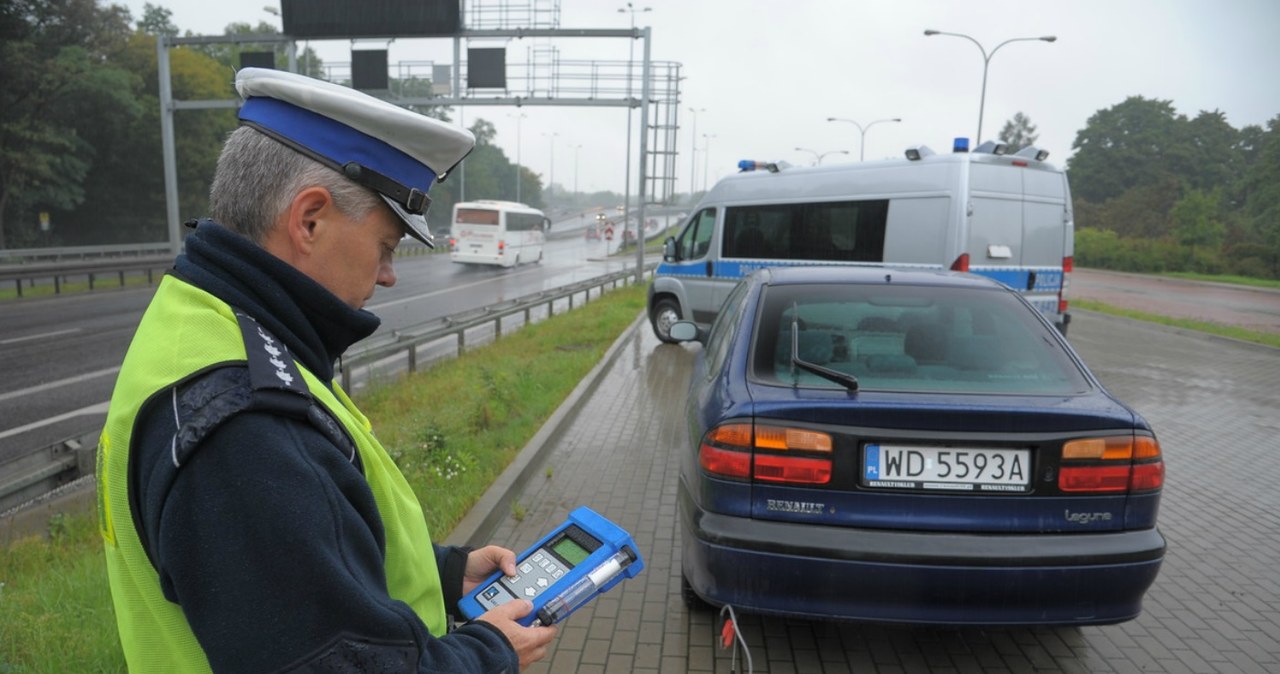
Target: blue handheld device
{"x":579,"y":559}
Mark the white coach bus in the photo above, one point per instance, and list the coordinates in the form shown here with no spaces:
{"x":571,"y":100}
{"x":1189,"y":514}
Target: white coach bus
{"x":503,"y":233}
{"x":984,"y":212}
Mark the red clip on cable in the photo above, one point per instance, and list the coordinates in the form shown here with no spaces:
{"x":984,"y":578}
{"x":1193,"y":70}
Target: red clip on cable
{"x":726,"y":634}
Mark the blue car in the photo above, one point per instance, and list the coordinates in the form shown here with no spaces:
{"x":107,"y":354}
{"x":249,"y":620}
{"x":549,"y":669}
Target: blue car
{"x":909,"y":446}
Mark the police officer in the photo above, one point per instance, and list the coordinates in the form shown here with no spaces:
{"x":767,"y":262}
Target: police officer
{"x":252,"y":521}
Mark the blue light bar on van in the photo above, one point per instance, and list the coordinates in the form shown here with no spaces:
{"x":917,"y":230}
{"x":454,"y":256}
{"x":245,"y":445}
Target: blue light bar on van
{"x":960,"y":145}
{"x":750,"y":165}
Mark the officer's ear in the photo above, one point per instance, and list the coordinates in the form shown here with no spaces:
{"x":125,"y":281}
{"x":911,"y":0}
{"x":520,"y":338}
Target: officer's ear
{"x":302,"y":223}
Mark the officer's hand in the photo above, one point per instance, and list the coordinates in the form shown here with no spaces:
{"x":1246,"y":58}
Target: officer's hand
{"x":483,"y":562}
{"x":530,"y":643}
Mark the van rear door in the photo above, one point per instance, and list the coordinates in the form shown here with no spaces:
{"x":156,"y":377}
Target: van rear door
{"x":1044,"y":221}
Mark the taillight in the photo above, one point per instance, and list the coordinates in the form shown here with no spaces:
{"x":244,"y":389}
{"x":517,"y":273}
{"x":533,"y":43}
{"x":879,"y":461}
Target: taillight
{"x":1067,"y":265}
{"x":1122,"y":463}
{"x":502,"y":246}
{"x":767,"y":453}
{"x":961,"y":263}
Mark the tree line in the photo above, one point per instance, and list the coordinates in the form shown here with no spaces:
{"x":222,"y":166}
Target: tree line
{"x":80,"y":127}
{"x":1157,"y":191}
{"x":1153,"y":189}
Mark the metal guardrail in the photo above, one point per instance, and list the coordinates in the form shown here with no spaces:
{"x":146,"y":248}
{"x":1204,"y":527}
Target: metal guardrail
{"x":44,"y":469}
{"x":83,"y":252}
{"x":92,"y":270}
{"x":126,"y":260}
{"x":405,"y":343}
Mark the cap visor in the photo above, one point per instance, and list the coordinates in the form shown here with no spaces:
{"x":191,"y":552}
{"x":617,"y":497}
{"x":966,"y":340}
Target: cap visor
{"x":415,"y":225}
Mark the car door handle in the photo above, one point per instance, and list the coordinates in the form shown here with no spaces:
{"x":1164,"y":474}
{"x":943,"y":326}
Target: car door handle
{"x":710,"y":269}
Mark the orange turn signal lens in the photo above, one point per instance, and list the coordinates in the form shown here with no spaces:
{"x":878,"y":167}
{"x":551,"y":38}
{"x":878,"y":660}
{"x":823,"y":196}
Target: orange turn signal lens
{"x":776,"y":437}
{"x":731,"y":435}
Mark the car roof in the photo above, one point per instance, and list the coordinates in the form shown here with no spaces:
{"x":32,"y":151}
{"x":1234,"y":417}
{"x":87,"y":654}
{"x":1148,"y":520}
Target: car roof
{"x":805,"y":274}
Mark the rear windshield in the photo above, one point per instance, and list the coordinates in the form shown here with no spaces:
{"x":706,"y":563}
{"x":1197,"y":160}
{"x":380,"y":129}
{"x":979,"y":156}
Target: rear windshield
{"x":912,"y":338}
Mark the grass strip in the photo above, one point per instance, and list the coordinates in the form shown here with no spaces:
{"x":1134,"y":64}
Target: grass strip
{"x":1233,"y":332}
{"x":452,"y":429}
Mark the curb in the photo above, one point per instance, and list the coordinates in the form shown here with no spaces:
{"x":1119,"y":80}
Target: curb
{"x":477,"y":526}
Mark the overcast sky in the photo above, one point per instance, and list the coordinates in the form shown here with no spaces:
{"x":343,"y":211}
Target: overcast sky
{"x":769,"y":73}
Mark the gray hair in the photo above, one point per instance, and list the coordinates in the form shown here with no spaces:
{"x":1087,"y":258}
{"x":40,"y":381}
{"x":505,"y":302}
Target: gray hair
{"x":257,"y":177}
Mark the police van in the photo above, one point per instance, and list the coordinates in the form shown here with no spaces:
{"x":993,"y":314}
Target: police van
{"x":1007,"y":216}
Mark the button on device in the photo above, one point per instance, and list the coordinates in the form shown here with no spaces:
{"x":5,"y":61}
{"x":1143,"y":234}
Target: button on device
{"x":530,"y":592}
{"x":491,"y":592}
{"x":527,"y":567}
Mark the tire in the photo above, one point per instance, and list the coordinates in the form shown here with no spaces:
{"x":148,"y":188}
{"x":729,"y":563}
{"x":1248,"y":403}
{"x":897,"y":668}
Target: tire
{"x":665,"y":312}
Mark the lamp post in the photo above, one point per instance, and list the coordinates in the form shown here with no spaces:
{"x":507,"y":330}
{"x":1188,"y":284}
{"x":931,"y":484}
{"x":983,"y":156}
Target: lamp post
{"x":631,"y":49}
{"x":862,"y":131}
{"x":693,"y":151}
{"x":518,"y":116}
{"x":986,"y":61}
{"x":551,"y":177}
{"x":706,"y":156}
{"x":817,"y":156}
{"x":576,"y":149}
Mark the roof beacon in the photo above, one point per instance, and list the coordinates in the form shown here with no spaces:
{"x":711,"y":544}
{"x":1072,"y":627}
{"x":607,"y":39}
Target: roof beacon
{"x":748,"y":165}
{"x":960,"y":145}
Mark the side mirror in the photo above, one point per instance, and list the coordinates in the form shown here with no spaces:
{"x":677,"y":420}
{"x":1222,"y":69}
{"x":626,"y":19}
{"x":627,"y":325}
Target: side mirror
{"x":685,"y":331}
{"x":669,"y":249}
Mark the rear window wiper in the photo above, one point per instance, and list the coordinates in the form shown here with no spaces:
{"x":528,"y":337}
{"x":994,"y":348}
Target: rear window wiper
{"x":844,"y":379}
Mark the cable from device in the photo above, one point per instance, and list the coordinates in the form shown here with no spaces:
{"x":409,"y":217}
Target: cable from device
{"x":730,"y":634}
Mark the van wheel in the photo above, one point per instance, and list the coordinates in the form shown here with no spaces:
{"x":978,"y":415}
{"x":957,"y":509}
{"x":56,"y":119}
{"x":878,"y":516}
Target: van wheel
{"x":665,"y":313}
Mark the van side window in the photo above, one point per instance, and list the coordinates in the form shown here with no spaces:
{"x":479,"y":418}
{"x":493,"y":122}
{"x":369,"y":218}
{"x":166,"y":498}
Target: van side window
{"x":695,"y":240}
{"x":844,"y":231}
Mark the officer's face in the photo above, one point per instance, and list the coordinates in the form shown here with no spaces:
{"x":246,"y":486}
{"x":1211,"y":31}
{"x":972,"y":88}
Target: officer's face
{"x":355,"y":256}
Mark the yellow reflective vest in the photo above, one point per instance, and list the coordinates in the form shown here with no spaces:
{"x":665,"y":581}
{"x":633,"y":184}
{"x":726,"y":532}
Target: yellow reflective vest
{"x":184,"y":332}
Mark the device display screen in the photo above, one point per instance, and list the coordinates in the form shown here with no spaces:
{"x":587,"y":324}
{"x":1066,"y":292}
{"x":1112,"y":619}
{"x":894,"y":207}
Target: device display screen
{"x":570,"y":551}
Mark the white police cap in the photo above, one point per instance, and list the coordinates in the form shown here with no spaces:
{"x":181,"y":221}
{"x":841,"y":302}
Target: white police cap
{"x":389,"y":149}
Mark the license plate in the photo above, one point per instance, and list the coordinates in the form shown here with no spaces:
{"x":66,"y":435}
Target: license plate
{"x":946,"y":468}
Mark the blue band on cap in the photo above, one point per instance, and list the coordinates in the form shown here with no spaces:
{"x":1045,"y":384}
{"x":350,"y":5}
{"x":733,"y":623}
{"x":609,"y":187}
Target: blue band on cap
{"x":336,"y":141}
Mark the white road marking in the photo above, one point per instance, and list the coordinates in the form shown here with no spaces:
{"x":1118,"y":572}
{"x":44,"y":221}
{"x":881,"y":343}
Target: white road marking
{"x":61,"y":382}
{"x":15,"y":340}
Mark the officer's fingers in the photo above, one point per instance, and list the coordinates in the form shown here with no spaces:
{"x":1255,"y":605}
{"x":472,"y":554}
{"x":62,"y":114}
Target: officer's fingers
{"x":512,"y":610}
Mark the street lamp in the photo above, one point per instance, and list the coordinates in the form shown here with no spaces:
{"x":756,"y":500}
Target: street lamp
{"x":576,"y":148}
{"x":986,"y":61}
{"x":862,"y":131}
{"x":518,"y":116}
{"x":693,"y":150}
{"x":551,"y":177}
{"x":819,"y":156}
{"x":706,"y":156}
{"x":631,"y":49}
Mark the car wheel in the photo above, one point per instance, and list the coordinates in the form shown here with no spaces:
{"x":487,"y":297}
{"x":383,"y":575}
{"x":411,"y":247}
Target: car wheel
{"x":691,"y":598}
{"x":665,"y":313}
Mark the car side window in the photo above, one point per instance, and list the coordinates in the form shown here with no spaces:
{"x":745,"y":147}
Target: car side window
{"x":695,"y":240}
{"x":724,"y":328}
